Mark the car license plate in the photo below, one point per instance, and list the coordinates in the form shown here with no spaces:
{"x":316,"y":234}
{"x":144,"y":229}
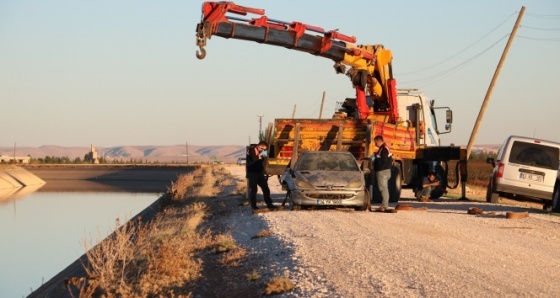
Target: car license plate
{"x":329,"y":202}
{"x":531,"y":177}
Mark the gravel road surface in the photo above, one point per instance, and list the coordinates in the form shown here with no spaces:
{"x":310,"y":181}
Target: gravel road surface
{"x":439,"y":252}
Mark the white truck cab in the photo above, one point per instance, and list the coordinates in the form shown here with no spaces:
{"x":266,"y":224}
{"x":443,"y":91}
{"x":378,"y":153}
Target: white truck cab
{"x":418,"y":110}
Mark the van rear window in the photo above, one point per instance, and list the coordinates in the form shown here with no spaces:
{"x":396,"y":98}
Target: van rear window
{"x":536,"y":155}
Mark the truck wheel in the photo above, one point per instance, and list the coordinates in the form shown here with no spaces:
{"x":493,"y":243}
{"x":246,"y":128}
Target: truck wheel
{"x":556,"y":197}
{"x":492,"y":197}
{"x":395,"y":184}
{"x":375,"y":194}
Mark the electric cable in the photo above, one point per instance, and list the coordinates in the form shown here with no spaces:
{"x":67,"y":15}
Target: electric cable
{"x":540,"y":39}
{"x":544,"y":16}
{"x":537,"y":28}
{"x":460,"y":52}
{"x":444,"y":74}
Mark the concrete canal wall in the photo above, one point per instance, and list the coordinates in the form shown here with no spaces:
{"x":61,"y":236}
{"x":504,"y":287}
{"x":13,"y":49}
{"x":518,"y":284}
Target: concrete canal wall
{"x":17,"y":178}
{"x":126,"y":178}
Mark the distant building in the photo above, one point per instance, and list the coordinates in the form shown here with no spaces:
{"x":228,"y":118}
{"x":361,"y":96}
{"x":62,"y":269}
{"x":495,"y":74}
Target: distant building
{"x":93,"y":155}
{"x":19,"y":159}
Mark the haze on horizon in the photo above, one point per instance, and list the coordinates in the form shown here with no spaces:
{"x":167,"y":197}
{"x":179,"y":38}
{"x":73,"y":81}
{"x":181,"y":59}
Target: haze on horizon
{"x":125,"y":73}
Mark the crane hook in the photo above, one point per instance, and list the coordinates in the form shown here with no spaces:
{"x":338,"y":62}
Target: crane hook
{"x":200,"y":55}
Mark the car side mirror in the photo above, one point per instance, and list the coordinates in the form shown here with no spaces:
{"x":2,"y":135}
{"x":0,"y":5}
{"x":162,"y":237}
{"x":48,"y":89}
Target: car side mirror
{"x":291,"y":172}
{"x":365,"y":165}
{"x":491,"y":161}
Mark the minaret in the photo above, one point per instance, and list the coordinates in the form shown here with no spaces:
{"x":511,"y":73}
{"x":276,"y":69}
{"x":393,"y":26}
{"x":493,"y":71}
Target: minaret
{"x":93,"y":153}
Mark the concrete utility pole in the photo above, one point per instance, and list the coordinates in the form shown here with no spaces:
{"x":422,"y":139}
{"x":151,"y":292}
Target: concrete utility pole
{"x":494,"y":79}
{"x":260,"y":126}
{"x":322,"y":105}
{"x":187,"y":151}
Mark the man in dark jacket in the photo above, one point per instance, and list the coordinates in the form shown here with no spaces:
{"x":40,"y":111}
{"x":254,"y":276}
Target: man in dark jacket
{"x":256,"y":176}
{"x":382,"y":165}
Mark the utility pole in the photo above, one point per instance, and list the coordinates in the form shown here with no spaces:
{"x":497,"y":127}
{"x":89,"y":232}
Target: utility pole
{"x":187,"y":150}
{"x":322,"y":104}
{"x":294,"y":112}
{"x":260,"y":126}
{"x":15,"y":152}
{"x":493,"y":82}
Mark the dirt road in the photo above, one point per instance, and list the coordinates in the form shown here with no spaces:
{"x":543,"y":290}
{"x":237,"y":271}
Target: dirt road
{"x":440,"y":252}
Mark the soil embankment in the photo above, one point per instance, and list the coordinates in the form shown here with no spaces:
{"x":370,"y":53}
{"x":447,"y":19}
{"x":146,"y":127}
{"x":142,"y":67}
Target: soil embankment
{"x":102,"y":178}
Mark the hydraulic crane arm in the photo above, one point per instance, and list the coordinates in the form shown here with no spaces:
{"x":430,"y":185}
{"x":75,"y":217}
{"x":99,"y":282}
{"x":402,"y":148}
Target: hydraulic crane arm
{"x":370,"y":65}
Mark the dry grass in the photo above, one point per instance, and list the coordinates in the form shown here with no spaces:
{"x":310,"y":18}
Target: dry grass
{"x":232,"y":257}
{"x":254,"y":275}
{"x":224,"y":243}
{"x":278,"y":285}
{"x":8,"y":166}
{"x":263,"y":233}
{"x":160,"y":258}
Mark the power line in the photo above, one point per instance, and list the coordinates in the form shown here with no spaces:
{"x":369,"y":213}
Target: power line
{"x":537,"y":28}
{"x":544,"y":16}
{"x":541,"y":39}
{"x":445,"y":74}
{"x":460,"y":52}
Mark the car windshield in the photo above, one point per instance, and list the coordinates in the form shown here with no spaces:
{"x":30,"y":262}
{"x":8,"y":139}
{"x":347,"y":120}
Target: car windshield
{"x":537,"y":155}
{"x":327,"y":161}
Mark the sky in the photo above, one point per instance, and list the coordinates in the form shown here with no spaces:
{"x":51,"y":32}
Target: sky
{"x":115,"y":73}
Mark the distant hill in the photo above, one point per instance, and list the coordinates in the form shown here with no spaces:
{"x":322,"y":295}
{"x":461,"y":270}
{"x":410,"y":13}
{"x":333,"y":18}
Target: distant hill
{"x":155,"y":153}
{"x":147,"y":153}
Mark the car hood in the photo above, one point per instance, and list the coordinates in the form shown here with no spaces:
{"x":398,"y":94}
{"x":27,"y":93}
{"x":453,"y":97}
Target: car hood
{"x":330,"y":178}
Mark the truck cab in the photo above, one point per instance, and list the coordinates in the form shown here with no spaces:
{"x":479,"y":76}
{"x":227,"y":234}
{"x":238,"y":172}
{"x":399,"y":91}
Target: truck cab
{"x":417,"y":110}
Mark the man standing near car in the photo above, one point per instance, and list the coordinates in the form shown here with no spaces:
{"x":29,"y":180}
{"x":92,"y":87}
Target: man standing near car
{"x":382,"y":165}
{"x":256,"y":176}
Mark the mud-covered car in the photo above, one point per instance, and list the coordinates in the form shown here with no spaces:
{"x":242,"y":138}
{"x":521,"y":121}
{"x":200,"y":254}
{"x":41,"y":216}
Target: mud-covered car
{"x":327,"y":179}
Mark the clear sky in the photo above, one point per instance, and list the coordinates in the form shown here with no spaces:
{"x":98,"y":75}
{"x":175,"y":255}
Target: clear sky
{"x":111,"y":73}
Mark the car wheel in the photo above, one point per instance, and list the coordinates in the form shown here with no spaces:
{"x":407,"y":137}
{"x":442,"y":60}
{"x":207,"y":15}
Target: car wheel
{"x":556,"y":197}
{"x":492,"y":197}
{"x":290,"y":203}
{"x":367,"y":204}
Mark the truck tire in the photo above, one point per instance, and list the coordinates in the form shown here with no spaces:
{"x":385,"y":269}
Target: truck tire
{"x":395,"y":184}
{"x":492,"y":197}
{"x":374,"y":194}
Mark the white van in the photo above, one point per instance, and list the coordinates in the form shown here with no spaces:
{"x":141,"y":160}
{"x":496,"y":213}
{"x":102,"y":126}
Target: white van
{"x":524,"y":168}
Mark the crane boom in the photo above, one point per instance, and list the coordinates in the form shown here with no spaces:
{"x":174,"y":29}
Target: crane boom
{"x":370,"y":65}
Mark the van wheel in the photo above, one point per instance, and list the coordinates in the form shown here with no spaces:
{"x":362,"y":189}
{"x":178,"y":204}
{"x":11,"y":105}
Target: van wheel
{"x":556,"y":197}
{"x":492,"y":197}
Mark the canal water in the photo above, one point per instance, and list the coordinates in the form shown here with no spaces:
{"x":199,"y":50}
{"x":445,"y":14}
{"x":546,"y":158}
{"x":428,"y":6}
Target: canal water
{"x":41,"y":233}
